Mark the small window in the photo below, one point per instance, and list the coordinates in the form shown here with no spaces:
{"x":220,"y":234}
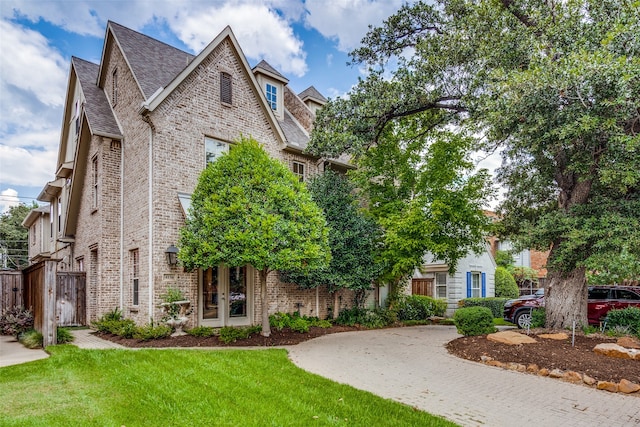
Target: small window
{"x":272,"y":96}
{"x":114,"y":87}
{"x":225,"y":88}
{"x":94,"y":180}
{"x":441,"y":285}
{"x":298,"y":169}
{"x":80,"y":264}
{"x":213,"y":149}
{"x":32,"y":235}
{"x":135,"y":271}
{"x":59,"y":214}
{"x":51,"y":220}
{"x":475,"y":285}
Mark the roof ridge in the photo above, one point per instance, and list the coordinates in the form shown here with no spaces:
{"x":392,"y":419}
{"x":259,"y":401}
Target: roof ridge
{"x":148,"y":37}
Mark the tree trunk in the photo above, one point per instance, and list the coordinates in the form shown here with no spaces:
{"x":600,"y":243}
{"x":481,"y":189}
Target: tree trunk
{"x":266,"y":328}
{"x":566,"y":299}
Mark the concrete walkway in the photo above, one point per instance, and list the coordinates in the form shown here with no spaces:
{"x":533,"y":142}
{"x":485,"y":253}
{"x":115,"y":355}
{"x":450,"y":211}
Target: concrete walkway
{"x":412,"y":366}
{"x":13,"y":353}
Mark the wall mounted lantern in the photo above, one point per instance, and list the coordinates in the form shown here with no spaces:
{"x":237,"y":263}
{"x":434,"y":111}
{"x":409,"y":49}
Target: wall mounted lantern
{"x":172,"y":255}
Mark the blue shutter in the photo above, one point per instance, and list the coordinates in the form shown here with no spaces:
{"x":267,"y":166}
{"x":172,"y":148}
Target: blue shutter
{"x":484,"y":285}
{"x":468,"y":284}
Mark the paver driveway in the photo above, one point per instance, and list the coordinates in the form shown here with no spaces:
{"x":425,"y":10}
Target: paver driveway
{"x":412,"y":366}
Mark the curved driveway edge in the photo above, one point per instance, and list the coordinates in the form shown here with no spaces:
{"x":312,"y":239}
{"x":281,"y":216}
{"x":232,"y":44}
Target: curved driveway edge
{"x":412,"y":366}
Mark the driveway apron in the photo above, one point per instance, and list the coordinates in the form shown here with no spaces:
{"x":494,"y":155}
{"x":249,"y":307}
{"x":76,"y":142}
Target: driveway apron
{"x":412,"y":366}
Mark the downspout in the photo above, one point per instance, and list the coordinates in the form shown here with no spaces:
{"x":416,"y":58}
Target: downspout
{"x":147,"y":119}
{"x":122,"y":225}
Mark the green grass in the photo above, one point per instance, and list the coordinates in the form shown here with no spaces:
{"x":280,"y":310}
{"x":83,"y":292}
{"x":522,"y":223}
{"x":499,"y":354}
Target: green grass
{"x":186,"y":387}
{"x":497,"y":321}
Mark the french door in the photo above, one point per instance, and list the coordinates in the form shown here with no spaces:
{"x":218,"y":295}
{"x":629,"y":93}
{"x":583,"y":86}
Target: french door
{"x":226,"y":296}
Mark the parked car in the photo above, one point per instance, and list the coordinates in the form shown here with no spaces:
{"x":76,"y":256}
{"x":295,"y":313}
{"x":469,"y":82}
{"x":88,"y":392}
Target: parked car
{"x":600,"y":300}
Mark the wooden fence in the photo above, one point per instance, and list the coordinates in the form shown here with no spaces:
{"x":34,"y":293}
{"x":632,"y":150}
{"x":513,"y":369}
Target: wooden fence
{"x":55,"y":298}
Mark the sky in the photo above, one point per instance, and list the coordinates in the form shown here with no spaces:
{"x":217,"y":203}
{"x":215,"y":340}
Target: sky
{"x":306,"y":40}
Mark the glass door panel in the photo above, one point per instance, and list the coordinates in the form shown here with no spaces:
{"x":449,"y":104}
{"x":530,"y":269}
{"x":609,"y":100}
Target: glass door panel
{"x":210,"y":294}
{"x":238,"y":292}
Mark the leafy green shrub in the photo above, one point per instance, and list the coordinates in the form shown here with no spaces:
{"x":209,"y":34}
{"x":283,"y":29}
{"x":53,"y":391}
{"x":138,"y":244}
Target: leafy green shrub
{"x":63,"y":336}
{"x":496,"y":305}
{"x":280,"y":320}
{"x":320,"y":323}
{"x":229,"y":334}
{"x":299,"y":324}
{"x":151,"y":332}
{"x":419,"y":307}
{"x":16,"y":320}
{"x":538,"y":318}
{"x":506,"y":286}
{"x":351,"y":316}
{"x":114,"y":314}
{"x":201,"y":331}
{"x":125,"y":328}
{"x":31,"y":339}
{"x":372,"y":319}
{"x":627,"y":318}
{"x":474,"y":321}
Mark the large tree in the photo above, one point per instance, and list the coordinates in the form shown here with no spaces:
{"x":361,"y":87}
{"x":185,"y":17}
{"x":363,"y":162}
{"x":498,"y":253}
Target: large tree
{"x":14,"y":238}
{"x":553,"y":84}
{"x":249,"y":209}
{"x":354,"y":239}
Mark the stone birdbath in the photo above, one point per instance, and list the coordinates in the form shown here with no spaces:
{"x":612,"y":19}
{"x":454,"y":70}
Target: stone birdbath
{"x":177,"y":315}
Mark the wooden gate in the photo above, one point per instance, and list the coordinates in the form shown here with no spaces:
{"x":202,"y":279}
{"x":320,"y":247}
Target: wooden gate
{"x":11,"y":290}
{"x":422,"y":287}
{"x":71,"y":307}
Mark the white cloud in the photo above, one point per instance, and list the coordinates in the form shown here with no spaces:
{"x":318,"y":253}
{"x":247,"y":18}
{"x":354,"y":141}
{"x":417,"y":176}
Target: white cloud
{"x":261,"y":32}
{"x":24,"y":167}
{"x":347,"y":21}
{"x":8,"y":198}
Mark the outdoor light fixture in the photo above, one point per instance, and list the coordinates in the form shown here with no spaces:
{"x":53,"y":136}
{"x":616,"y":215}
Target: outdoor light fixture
{"x":172,"y":255}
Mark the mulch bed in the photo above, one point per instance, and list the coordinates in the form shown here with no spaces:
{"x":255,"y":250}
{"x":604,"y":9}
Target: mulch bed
{"x":552,"y":354}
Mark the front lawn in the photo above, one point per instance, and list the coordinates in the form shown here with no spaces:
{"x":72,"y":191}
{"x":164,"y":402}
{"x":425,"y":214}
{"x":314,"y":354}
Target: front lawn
{"x":186,"y":387}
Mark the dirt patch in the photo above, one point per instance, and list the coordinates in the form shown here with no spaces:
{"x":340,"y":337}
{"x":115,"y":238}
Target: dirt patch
{"x":277,"y":338}
{"x":552,"y":354}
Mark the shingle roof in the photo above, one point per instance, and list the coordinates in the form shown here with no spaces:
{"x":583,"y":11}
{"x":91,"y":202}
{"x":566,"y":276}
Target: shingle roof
{"x":153,"y":62}
{"x":97,"y":108}
{"x":294,"y":133}
{"x":312,"y":92}
{"x":264,"y":65}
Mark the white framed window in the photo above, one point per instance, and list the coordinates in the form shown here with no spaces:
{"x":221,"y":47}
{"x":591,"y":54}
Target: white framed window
{"x":272,"y":96}
{"x":298,"y":170}
{"x":226,"y":94}
{"x":213,"y":149}
{"x":135,"y":272}
{"x":94,"y":181}
{"x":475,"y":285}
{"x":441,"y":285}
{"x":80,"y":264}
{"x":59,"y":215}
{"x":51,"y":220}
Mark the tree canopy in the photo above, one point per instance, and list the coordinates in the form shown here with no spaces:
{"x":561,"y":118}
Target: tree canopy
{"x":249,"y":209}
{"x":14,"y":238}
{"x":553,"y":85}
{"x":354,"y":239}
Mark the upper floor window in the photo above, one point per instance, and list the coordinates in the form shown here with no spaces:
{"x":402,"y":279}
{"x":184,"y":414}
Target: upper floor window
{"x":94,"y":182}
{"x":213,"y":149}
{"x":441,"y":285}
{"x":298,"y":169}
{"x":80,"y":264}
{"x":59,"y":214}
{"x":272,"y":96}
{"x":114,"y":87}
{"x":51,"y":220}
{"x":225,"y":88}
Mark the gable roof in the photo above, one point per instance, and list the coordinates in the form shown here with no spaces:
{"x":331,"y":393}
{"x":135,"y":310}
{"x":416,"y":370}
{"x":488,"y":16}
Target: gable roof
{"x":264,"y":68}
{"x":154,"y":64}
{"x":97,"y":109}
{"x":313,"y":94}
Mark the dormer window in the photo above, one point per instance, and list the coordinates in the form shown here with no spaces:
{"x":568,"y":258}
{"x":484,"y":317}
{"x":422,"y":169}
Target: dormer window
{"x":272,"y":96}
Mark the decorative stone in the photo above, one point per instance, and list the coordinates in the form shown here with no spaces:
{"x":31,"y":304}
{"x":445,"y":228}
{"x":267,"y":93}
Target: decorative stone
{"x":510,"y":338}
{"x":544,"y":372}
{"x":484,"y":358}
{"x":495,"y":363}
{"x":626,"y":386}
{"x":556,"y":373}
{"x":588,"y":380}
{"x":572,"y":377}
{"x":629,"y":342}
{"x":533,"y":368}
{"x":608,"y":386}
{"x":516,"y":367}
{"x":615,"y":350}
{"x":561,"y":336}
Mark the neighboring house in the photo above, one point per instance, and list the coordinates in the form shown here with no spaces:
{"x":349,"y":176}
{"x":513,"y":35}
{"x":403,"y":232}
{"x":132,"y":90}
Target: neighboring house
{"x":137,"y":131}
{"x":473,"y":278}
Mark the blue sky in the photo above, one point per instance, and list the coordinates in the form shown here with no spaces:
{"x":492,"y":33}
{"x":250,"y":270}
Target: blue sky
{"x":306,"y":40}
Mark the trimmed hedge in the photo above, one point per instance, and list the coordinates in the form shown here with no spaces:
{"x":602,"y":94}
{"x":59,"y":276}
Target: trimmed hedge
{"x":419,"y":307}
{"x":496,"y":305}
{"x":506,"y":286}
{"x":474,"y":321}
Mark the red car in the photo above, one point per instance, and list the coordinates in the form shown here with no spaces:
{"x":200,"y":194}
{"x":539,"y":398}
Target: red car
{"x":601,"y":299}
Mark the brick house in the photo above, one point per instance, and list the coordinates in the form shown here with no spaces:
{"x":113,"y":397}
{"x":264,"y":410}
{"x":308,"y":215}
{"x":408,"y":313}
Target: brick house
{"x":137,"y":131}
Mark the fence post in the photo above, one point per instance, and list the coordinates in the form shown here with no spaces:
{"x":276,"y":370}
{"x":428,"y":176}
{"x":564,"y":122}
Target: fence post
{"x":49,"y":321}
